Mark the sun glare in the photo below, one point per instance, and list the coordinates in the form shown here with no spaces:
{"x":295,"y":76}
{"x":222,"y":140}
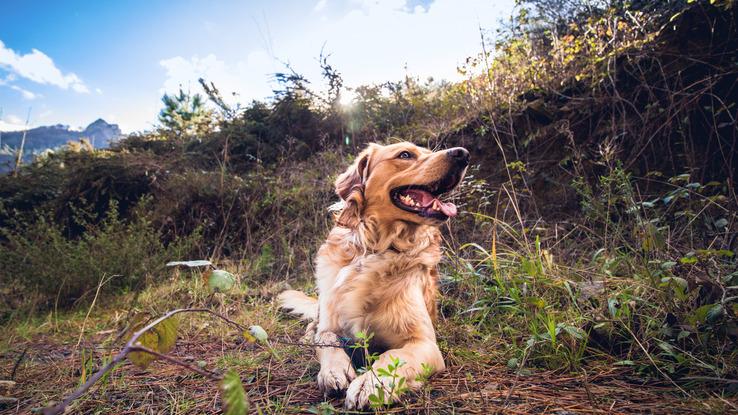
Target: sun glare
{"x":347,"y":98}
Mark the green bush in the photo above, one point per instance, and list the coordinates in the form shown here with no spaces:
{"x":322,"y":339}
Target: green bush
{"x":40,"y":267}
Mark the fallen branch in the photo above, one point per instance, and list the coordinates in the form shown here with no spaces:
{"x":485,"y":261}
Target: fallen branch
{"x":133,"y":345}
{"x":17,"y":363}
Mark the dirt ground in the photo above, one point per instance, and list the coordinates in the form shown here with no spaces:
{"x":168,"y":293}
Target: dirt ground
{"x":283,"y":382}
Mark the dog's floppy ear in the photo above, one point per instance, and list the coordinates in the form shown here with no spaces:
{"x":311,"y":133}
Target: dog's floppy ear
{"x":350,"y":188}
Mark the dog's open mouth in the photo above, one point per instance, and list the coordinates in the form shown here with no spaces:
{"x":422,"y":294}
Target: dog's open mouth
{"x":424,"y":200}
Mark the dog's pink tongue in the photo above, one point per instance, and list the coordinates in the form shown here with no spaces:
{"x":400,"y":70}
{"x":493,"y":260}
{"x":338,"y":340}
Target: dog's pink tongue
{"x":448,"y":208}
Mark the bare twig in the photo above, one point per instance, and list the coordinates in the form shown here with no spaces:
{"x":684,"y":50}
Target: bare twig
{"x":133,"y":346}
{"x":130,"y":346}
{"x":89,"y":311}
{"x":17,"y":363}
{"x":207,"y":373}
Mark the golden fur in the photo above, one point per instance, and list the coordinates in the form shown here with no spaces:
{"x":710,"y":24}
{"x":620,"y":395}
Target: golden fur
{"x":377,"y":271}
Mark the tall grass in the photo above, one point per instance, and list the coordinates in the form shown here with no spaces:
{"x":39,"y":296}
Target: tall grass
{"x":623,"y":286}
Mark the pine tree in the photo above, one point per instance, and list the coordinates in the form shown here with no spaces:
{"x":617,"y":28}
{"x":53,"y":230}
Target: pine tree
{"x":185,"y":114}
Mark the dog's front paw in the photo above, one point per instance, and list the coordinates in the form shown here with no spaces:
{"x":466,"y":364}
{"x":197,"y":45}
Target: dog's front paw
{"x":366,"y":385}
{"x":335,"y":378}
{"x":357,"y":395}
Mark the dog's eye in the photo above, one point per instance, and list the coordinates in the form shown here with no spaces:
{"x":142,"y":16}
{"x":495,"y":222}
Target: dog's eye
{"x":405,"y":155}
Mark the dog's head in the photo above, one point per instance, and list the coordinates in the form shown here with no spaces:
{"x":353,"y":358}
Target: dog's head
{"x":401,"y":182}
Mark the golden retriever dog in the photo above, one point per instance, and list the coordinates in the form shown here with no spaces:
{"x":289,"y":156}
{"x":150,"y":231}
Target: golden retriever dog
{"x":377,"y":271}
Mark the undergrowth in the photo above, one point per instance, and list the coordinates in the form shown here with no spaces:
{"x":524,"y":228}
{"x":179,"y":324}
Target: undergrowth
{"x":43,"y":268}
{"x":625,"y":286}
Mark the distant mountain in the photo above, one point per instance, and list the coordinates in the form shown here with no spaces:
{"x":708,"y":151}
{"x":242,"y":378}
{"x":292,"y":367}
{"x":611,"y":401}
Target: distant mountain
{"x":99,"y":133}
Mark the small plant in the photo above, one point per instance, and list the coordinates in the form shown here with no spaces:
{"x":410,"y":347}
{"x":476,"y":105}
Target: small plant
{"x":361,"y":344}
{"x":323,"y":408}
{"x":390,"y":384}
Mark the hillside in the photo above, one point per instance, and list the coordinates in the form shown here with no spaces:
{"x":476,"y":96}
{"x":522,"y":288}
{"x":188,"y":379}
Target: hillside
{"x":592,"y":267}
{"x":99,"y":133}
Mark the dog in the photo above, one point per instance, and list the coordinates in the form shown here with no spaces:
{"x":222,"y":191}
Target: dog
{"x":377,"y":271}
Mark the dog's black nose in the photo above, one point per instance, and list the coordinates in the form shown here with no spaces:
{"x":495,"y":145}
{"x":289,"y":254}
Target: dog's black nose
{"x":458,"y":155}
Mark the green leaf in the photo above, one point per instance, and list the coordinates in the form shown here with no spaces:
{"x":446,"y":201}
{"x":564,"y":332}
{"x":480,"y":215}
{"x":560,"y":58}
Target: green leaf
{"x":575,"y":332}
{"x":536,"y":302}
{"x":678,"y":281}
{"x":220,"y":281}
{"x":708,"y":313}
{"x":693,"y":186}
{"x":160,"y":338}
{"x":688,"y":260}
{"x":149,"y":340}
{"x":714,"y":313}
{"x":190,"y":264}
{"x":324,"y":408}
{"x":721,"y":223}
{"x":624,"y":363}
{"x":256,"y":333}
{"x":668,"y":265}
{"x":234,"y":396}
{"x":666,"y":347}
{"x":167,"y":333}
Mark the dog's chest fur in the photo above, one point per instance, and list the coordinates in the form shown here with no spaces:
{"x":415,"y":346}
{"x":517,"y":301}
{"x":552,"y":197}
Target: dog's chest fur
{"x":391,"y":294}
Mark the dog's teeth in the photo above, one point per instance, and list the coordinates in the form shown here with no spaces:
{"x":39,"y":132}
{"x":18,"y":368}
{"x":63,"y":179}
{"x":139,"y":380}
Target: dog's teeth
{"x":436,"y":206}
{"x":407,"y":200}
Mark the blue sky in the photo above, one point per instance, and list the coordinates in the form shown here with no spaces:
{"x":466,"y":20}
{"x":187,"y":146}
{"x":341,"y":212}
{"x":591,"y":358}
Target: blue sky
{"x":72,"y":62}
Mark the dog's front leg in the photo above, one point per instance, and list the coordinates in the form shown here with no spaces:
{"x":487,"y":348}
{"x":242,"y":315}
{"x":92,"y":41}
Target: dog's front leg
{"x":412,"y":356}
{"x":336,"y":370}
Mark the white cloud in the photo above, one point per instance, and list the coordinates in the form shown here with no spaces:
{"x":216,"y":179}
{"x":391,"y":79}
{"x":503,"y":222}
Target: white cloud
{"x":81,"y":88}
{"x":249,"y":78}
{"x":11,"y":123}
{"x":45,"y":115}
{"x":38,"y":67}
{"x":8,"y":82}
{"x":376,"y":40}
{"x":320,"y":5}
{"x":26,"y":93}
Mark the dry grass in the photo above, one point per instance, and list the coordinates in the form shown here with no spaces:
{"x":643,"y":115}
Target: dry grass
{"x":283,"y":382}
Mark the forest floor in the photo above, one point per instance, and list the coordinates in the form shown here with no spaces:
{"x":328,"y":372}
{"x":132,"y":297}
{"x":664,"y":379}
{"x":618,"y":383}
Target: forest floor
{"x":59,"y":350}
